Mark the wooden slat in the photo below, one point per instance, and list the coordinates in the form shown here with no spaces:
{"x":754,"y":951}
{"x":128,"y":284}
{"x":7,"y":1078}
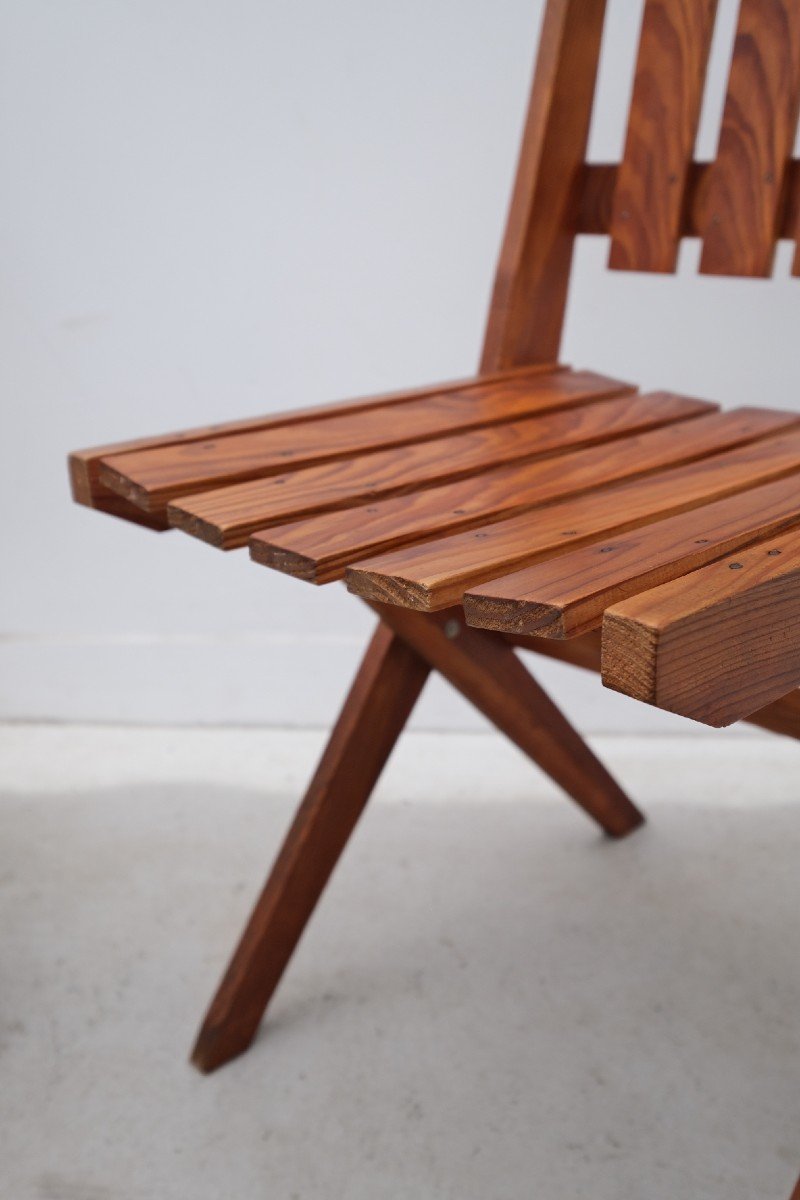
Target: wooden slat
{"x":84,"y":465}
{"x":530,"y":288}
{"x":567,"y":595}
{"x":319,"y":548}
{"x":746,"y":183}
{"x":781,"y":717}
{"x":438,"y":573}
{"x":226,"y":516}
{"x":152,"y":478}
{"x":599,"y":184}
{"x":717,"y":644}
{"x":662,"y":127}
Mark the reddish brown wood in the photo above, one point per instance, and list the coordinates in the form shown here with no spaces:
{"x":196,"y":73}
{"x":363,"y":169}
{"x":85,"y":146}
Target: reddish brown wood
{"x":716,"y":645}
{"x":567,"y":595}
{"x":151,"y":478}
{"x":781,"y":717}
{"x":650,"y":190}
{"x":746,"y":184}
{"x":436,"y":574}
{"x":485,"y":670}
{"x":320,"y":548}
{"x":226,"y":516}
{"x":84,"y":465}
{"x":385,"y":690}
{"x":530,"y":291}
{"x":599,"y":181}
{"x":796,"y":1192}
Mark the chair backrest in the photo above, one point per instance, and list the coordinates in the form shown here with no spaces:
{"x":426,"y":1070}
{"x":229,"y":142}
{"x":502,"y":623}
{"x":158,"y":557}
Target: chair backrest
{"x":739,"y":205}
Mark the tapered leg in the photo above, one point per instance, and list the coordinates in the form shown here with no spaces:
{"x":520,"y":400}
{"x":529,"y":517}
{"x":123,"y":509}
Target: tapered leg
{"x":484,"y":668}
{"x":796,"y":1192}
{"x":383,"y":694}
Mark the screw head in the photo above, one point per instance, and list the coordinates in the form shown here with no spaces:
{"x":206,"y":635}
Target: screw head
{"x":734,"y":566}
{"x":773,"y":553}
{"x":452,"y":628}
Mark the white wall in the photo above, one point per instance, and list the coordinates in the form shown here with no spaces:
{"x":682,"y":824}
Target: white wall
{"x":211,"y":210}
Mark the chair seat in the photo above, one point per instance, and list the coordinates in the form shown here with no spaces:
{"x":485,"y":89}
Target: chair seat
{"x":549,"y":502}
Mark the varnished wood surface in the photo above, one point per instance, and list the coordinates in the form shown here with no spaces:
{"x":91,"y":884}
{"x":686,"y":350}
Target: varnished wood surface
{"x":487,"y":672}
{"x":526,"y":313}
{"x":598,"y":186}
{"x":746,"y":182}
{"x":319,"y":548}
{"x":150,"y":478}
{"x":780,"y":717}
{"x":662,"y":126}
{"x":437,"y":573}
{"x":84,"y":465}
{"x":568,"y":595}
{"x":715,"y":645}
{"x":227,"y":515}
{"x":383,"y":694}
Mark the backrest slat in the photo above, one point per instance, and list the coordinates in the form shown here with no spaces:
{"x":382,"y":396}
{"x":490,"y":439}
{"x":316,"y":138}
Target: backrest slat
{"x":662,"y":128}
{"x":742,"y":206}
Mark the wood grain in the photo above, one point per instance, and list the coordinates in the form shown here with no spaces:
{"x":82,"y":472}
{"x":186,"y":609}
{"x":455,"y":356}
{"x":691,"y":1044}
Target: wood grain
{"x":662,"y":126}
{"x":383,"y":694}
{"x":319,"y":548}
{"x":780,"y":717}
{"x":152,"y":478}
{"x":714,"y":645}
{"x":567,"y":595}
{"x":436,"y":574}
{"x":526,"y":314}
{"x":746,"y":184}
{"x":226,"y":516}
{"x":84,"y":465}
{"x":599,"y":181}
{"x":487,"y":672}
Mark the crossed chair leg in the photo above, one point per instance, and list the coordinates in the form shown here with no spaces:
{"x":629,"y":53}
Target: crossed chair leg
{"x":405,"y":647}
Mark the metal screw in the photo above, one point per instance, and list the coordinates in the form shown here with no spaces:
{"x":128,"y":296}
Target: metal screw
{"x":606,"y":549}
{"x":459,"y":512}
{"x":734,"y":566}
{"x":701,"y":541}
{"x":625,"y":215}
{"x":568,"y":532}
{"x":716,"y":218}
{"x":773,"y":553}
{"x":452,"y":628}
{"x":769,"y":177}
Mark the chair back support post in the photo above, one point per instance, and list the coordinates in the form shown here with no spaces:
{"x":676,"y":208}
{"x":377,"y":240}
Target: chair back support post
{"x":526,"y":314}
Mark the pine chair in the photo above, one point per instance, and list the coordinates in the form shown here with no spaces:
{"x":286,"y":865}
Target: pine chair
{"x":532,"y":504}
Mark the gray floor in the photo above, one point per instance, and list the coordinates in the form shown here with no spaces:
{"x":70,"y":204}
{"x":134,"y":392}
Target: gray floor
{"x":492,"y":1003}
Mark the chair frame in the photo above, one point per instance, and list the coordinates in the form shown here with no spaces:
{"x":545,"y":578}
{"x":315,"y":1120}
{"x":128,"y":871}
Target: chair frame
{"x":556,"y":196}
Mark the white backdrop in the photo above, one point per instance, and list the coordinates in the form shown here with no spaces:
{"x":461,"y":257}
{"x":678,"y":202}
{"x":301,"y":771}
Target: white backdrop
{"x":214,"y":209}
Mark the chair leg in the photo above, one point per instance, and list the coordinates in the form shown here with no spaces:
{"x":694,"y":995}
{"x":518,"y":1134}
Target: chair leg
{"x":484,"y":668}
{"x":406,"y":645}
{"x":796,"y":1192}
{"x":380,"y":701}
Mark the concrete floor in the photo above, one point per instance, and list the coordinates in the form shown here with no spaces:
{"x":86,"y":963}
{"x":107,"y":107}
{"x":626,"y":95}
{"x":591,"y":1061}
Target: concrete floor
{"x":491,"y":1004}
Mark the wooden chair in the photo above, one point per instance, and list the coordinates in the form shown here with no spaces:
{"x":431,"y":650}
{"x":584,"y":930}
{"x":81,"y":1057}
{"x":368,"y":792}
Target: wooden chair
{"x":532,"y":504}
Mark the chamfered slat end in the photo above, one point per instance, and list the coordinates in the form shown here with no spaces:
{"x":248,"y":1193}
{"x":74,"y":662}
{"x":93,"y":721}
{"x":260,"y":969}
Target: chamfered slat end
{"x":506,"y":615}
{"x":290,"y":562}
{"x":390,"y":589}
{"x":197,"y":527}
